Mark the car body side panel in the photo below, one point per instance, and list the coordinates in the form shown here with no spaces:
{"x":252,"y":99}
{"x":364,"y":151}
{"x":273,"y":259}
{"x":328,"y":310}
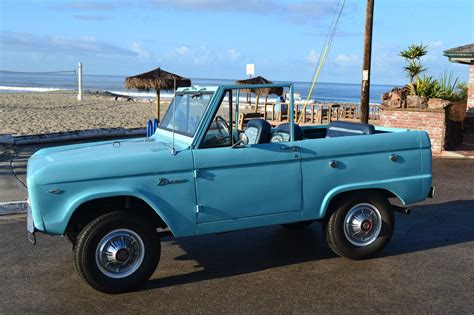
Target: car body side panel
{"x":363,"y":162}
{"x":255,"y":180}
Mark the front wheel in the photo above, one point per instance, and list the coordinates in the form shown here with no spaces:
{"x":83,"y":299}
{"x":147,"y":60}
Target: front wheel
{"x":361,"y":226}
{"x":117,"y":252}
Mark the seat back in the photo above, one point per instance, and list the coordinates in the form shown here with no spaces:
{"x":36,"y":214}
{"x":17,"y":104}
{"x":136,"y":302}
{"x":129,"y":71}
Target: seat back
{"x":343,"y":128}
{"x":258,"y":131}
{"x":282,"y":133}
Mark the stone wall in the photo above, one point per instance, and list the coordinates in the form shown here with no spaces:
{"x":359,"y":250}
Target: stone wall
{"x":433,"y":121}
{"x":470,"y":92}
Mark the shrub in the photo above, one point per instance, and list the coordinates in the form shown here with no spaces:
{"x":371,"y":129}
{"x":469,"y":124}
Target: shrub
{"x":462,"y":90}
{"x":425,"y":86}
{"x":446,"y":87}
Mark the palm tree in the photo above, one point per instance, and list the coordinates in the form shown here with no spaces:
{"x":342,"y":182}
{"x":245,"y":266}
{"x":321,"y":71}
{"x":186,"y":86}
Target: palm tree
{"x":412,"y":56}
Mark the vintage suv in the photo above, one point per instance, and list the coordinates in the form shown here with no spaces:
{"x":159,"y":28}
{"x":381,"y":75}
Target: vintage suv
{"x":198,"y":174}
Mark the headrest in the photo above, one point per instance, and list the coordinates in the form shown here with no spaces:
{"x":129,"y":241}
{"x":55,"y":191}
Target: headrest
{"x":264,"y":130}
{"x":285,"y":128}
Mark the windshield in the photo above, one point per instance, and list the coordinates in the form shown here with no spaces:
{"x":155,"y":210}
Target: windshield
{"x":189,"y":109}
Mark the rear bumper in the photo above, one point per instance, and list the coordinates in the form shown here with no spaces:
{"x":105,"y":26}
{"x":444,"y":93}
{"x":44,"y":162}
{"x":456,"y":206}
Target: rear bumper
{"x":431,"y":193}
{"x":30,"y":226}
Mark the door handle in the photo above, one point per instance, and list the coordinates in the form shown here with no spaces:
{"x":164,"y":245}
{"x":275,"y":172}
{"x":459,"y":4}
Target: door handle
{"x":290,"y":148}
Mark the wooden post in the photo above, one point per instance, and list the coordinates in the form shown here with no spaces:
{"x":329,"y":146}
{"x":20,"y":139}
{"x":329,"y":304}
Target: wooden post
{"x":256,"y":103}
{"x":265,"y":108}
{"x":365,"y":93}
{"x":79,"y":81}
{"x":158,"y":104}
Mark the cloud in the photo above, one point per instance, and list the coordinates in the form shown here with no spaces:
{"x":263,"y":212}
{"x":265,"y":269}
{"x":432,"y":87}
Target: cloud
{"x":436,"y":44}
{"x":435,"y":52}
{"x":88,"y":6}
{"x":233,"y":54}
{"x":308,"y":11}
{"x":183,"y":50}
{"x":91,"y":17}
{"x":312,"y":57}
{"x":300,"y":11}
{"x":216,"y":5}
{"x":140,"y":51}
{"x":347,"y":60}
{"x":31,"y":43}
{"x":201,"y":56}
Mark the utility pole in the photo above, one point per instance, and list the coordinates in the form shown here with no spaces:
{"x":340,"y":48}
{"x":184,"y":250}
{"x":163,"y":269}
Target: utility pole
{"x":364,"y":97}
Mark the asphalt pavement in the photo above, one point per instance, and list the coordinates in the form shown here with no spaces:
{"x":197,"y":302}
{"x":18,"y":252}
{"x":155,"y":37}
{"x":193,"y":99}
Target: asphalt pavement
{"x":427,"y":267}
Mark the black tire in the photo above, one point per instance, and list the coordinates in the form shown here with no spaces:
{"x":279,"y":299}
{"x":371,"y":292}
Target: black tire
{"x":297,"y":225}
{"x":334,"y":229}
{"x":89,"y":239}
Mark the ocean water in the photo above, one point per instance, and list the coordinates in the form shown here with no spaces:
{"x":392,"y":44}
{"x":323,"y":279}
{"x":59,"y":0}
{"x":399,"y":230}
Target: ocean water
{"x":38,"y":82}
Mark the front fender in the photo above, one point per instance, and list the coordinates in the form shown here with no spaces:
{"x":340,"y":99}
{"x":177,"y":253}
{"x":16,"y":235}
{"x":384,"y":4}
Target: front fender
{"x":116,"y":193}
{"x":57,"y":221}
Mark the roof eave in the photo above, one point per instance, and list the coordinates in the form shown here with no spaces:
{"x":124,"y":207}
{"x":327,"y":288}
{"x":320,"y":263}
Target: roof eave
{"x":461,"y":59}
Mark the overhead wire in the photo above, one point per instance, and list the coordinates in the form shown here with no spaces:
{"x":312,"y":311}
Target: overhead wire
{"x":324,"y":52}
{"x":40,"y":72}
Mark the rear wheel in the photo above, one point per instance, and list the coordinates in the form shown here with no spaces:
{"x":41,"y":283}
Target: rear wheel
{"x":361,"y":226}
{"x":117,"y":252}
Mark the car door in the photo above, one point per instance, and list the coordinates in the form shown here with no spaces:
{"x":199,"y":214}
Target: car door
{"x":248,"y":182}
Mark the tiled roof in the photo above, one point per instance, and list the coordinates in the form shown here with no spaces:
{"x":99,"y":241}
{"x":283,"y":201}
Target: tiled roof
{"x":461,"y":51}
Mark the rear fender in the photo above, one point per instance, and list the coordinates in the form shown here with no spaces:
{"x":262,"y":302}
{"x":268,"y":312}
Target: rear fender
{"x":391,"y":187}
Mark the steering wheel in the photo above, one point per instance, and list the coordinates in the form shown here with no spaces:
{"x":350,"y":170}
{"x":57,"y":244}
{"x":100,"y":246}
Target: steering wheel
{"x":222,"y":127}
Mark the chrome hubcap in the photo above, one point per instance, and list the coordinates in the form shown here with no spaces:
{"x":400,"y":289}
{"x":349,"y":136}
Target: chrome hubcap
{"x":120,"y":253}
{"x":362,"y":224}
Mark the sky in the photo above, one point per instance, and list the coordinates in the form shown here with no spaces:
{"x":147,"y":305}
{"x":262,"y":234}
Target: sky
{"x":216,"y":39}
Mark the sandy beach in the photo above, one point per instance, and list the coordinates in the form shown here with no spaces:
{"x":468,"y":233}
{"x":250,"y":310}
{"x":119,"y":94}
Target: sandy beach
{"x":47,"y":112}
{"x":36,"y":113}
{"x":50,"y":112}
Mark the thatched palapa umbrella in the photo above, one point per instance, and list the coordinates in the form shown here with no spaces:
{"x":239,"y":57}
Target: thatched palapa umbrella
{"x":157,"y":79}
{"x":262,"y":91}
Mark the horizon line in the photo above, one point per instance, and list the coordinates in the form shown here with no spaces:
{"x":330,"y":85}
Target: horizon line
{"x":63,"y":72}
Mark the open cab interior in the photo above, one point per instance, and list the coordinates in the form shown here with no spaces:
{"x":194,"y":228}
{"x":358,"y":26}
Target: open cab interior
{"x":231,"y":117}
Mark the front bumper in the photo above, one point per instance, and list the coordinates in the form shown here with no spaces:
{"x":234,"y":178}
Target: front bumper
{"x":30,"y":226}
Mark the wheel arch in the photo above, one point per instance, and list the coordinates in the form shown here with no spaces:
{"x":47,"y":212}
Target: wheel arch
{"x":333,"y":198}
{"x":86,"y":209}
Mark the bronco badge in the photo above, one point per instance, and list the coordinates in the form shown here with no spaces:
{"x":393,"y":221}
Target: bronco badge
{"x":166,"y":181}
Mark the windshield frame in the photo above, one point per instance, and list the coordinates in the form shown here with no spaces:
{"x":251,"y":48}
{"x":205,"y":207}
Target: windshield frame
{"x":183,"y":92}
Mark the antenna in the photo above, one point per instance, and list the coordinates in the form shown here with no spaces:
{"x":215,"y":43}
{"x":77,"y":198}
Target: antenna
{"x":173,"y":149}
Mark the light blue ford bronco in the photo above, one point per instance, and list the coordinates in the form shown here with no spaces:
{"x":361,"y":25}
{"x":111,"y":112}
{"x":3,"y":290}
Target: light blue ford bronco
{"x":199,"y":174}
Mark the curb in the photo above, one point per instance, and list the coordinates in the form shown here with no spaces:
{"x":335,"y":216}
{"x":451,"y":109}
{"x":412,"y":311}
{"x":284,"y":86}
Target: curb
{"x":6,"y":139}
{"x":453,"y":155}
{"x":71,"y":135}
{"x":13,"y":207}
